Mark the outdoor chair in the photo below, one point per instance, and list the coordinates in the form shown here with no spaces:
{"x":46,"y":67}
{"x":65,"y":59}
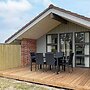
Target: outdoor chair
{"x":69,"y":62}
{"x":39,"y":61}
{"x":50,"y":60}
{"x":60,"y":56}
{"x":33,"y":58}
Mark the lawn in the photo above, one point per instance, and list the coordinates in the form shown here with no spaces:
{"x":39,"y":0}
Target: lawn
{"x":10,"y":84}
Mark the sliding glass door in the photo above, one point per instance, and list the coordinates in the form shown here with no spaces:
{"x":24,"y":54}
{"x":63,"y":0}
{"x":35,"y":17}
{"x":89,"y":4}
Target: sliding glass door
{"x":66,"y":43}
{"x":82,"y":50}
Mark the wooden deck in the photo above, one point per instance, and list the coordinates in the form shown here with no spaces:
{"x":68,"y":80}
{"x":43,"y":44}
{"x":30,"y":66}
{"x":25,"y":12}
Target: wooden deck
{"x":79,"y":79}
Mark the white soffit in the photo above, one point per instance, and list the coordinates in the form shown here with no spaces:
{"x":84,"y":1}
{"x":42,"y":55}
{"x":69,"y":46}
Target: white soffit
{"x":41,"y":28}
{"x":72,"y":18}
{"x":64,"y":15}
{"x":29,"y":26}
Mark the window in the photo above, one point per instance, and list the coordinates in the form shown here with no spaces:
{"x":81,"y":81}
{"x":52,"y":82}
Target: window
{"x":79,"y":38}
{"x":52,"y":42}
{"x":66,"y":43}
{"x":82,"y":49}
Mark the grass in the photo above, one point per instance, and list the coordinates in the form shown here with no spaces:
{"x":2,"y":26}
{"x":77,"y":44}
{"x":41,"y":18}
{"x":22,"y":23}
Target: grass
{"x":10,"y":84}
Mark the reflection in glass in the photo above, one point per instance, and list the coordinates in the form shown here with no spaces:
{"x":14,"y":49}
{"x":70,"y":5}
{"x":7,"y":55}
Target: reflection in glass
{"x":66,"y":43}
{"x":79,"y":37}
{"x":51,"y":48}
{"x":80,"y":61}
{"x":86,"y":49}
{"x":86,"y":61}
{"x":52,"y":42}
{"x":82,"y":48}
{"x":49,"y":40}
{"x":79,"y":49}
{"x":86,"y":37}
{"x":52,"y":39}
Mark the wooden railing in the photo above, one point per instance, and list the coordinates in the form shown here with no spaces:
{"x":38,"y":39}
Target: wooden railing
{"x":10,"y":56}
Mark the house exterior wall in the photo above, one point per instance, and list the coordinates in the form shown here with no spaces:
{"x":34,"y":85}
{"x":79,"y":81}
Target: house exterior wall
{"x":41,"y":44}
{"x":27,"y":46}
{"x":63,"y":28}
{"x":69,"y":27}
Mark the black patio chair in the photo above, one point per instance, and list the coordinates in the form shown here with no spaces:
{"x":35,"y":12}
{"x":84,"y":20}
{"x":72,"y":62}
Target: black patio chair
{"x":33,"y":58}
{"x":50,"y":60}
{"x":39,"y":61}
{"x":69,"y":62}
{"x":59,"y":56}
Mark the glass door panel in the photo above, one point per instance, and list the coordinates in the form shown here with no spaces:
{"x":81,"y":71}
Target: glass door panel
{"x":49,"y":40}
{"x":52,"y":42}
{"x":51,"y":48}
{"x":79,"y":49}
{"x":86,"y":50}
{"x":87,"y":37}
{"x":82,"y":49}
{"x":66,"y":43}
{"x":79,"y":37}
{"x":86,"y":61}
{"x":80,"y":61}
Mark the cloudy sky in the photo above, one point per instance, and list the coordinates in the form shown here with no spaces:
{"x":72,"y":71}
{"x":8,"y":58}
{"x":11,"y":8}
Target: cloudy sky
{"x":16,"y":13}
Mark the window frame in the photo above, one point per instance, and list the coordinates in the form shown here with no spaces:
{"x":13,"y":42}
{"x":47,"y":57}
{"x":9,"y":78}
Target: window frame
{"x":60,"y":39}
{"x":51,"y":44}
{"x":84,"y":43}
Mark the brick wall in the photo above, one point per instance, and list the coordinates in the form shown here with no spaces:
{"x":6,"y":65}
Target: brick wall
{"x":27,"y":46}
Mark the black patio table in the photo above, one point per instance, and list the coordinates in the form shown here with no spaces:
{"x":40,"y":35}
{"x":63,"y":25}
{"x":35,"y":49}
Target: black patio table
{"x":59,"y":58}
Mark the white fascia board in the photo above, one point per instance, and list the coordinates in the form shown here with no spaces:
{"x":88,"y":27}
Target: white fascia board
{"x":62,"y":14}
{"x":72,"y":18}
{"x":29,"y":26}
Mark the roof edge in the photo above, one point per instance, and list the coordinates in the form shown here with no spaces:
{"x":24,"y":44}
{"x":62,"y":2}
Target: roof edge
{"x":72,"y":13}
{"x":51,"y":6}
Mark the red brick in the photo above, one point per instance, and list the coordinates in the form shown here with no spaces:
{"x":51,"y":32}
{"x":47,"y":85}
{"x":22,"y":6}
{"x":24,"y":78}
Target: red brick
{"x":27,"y":46}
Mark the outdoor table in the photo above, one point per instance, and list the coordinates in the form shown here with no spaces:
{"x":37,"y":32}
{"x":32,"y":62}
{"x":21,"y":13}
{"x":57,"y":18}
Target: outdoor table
{"x":57,"y":59}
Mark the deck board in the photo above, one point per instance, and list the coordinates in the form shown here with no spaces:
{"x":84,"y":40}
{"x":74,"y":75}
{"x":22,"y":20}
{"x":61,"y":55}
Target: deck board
{"x":79,"y":79}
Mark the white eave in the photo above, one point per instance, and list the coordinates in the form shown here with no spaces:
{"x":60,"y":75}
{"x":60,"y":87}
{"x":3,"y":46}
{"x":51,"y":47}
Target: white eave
{"x":44,"y":24}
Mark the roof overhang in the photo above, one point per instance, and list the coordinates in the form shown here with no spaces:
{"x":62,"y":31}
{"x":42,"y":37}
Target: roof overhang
{"x":44,"y":22}
{"x":40,"y":28}
{"x":72,"y":18}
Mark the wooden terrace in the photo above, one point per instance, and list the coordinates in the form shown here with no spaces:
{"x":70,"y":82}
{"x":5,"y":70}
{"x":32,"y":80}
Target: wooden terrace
{"x":79,"y":79}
